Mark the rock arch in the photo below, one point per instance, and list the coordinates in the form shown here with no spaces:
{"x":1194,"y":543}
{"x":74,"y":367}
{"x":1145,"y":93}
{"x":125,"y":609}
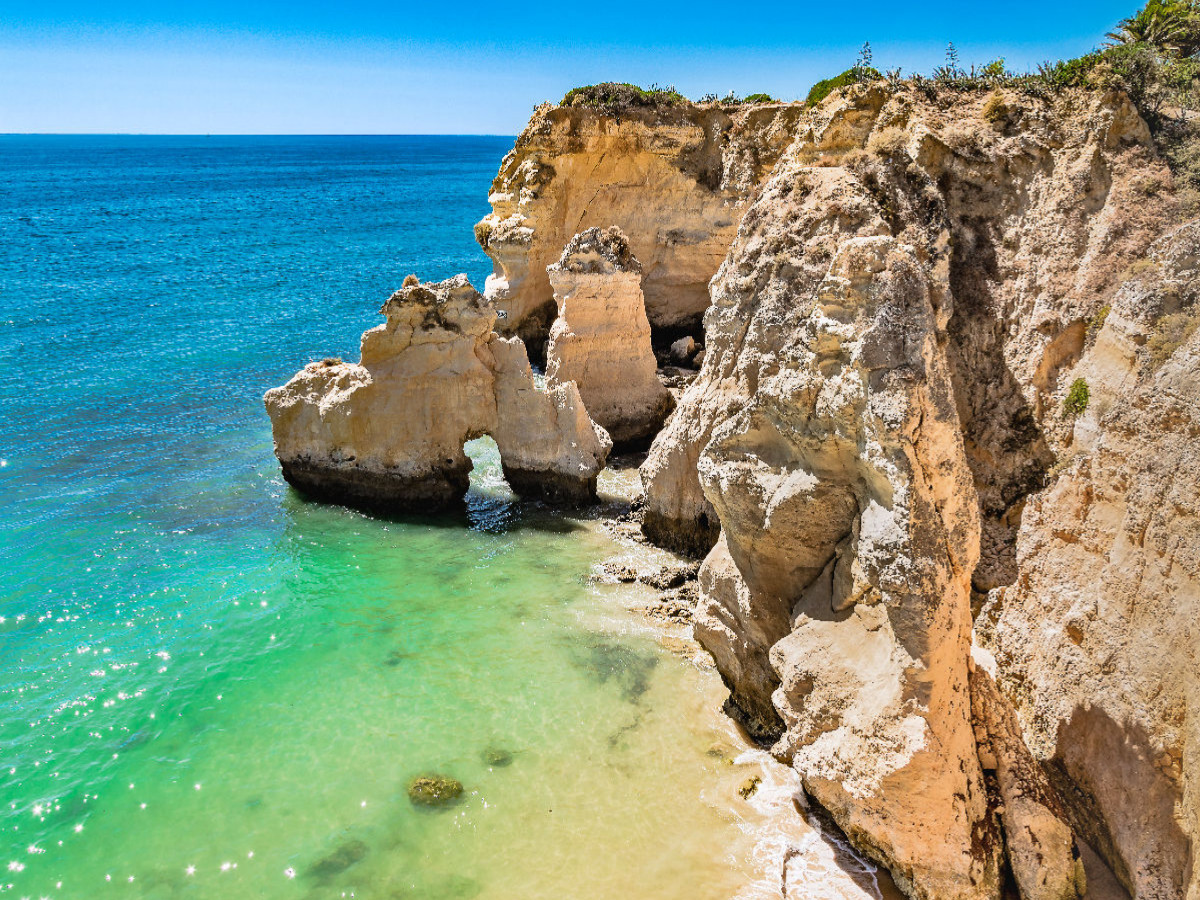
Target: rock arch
{"x":387,"y":434}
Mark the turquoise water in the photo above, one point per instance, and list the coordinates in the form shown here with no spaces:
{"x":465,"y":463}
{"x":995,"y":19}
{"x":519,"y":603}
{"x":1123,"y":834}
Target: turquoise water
{"x":212,"y":688}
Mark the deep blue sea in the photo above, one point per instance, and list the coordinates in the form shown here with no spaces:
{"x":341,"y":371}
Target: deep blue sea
{"x":211,"y":688}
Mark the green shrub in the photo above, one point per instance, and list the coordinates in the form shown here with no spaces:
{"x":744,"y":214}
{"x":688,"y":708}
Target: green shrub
{"x":854,"y":75}
{"x":995,"y":71}
{"x":758,"y":98}
{"x":613,"y":97}
{"x":1172,"y":25}
{"x":1096,"y":322}
{"x":1069,"y":72}
{"x":1077,"y":398}
{"x":483,"y":231}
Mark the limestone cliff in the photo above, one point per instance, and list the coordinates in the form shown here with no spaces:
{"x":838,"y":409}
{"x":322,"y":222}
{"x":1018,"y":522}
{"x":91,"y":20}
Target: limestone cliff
{"x":388,"y":433}
{"x":1096,"y":639}
{"x":877,"y":446}
{"x":676,"y":180}
{"x":601,"y":338}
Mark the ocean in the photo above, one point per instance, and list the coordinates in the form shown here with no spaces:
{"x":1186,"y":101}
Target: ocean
{"x":213,"y":688}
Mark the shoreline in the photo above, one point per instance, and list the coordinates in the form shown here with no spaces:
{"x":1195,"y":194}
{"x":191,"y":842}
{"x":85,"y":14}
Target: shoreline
{"x":796,"y":852}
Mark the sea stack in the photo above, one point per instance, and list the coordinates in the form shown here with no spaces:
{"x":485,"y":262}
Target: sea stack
{"x":601,"y":338}
{"x":387,"y":434}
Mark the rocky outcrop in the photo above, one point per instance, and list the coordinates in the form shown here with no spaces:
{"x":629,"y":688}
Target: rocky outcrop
{"x":848,"y":512}
{"x":889,"y":344}
{"x":601,"y":338}
{"x":942,"y":456}
{"x":675,"y":180}
{"x":387,"y":434}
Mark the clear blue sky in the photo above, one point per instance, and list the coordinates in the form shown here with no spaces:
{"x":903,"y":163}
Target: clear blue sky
{"x":467,"y":67}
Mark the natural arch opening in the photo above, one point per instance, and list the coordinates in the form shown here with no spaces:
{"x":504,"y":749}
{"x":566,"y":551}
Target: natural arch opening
{"x":490,"y":501}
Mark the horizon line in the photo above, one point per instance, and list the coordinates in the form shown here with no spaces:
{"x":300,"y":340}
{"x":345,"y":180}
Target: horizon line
{"x":247,"y":134}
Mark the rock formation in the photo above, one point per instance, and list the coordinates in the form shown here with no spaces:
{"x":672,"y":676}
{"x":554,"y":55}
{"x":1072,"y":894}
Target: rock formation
{"x":889,"y":345}
{"x":388,"y":433}
{"x":1036,"y":833}
{"x":601,"y":338}
{"x":675,"y":180}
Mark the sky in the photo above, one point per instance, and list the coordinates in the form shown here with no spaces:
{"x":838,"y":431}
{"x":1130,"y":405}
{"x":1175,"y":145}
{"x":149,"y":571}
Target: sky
{"x":468,"y":67}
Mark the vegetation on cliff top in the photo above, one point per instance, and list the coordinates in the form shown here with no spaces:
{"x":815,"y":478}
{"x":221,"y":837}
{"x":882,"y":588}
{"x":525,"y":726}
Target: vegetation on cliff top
{"x":614,"y":97}
{"x":1153,"y":56}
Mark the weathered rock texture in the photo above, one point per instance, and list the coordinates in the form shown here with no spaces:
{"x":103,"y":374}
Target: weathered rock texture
{"x":1036,"y":833}
{"x":879,"y":411}
{"x":388,"y":433}
{"x":675,"y":180}
{"x":601,"y":338}
{"x":1097,"y":640}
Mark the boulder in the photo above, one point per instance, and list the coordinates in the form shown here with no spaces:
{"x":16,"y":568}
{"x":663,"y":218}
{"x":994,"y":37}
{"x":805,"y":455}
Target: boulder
{"x":435,"y":791}
{"x":683,"y":350}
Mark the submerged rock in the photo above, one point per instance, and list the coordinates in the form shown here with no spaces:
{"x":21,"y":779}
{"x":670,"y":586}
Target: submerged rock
{"x":601,"y":338}
{"x":434,"y":791}
{"x":451,"y":887}
{"x":395,"y":658}
{"x":341,"y":859}
{"x":497,"y":757}
{"x":631,"y":669}
{"x":387,"y":433}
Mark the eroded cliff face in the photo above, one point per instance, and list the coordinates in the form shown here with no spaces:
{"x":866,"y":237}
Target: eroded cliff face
{"x":942,"y":458}
{"x":387,"y":434}
{"x":867,"y":451}
{"x":675,"y":180}
{"x":1096,"y":639}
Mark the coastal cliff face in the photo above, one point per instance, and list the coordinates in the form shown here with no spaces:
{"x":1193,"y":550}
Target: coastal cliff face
{"x":886,"y":462}
{"x":676,"y":181}
{"x":387,"y":434}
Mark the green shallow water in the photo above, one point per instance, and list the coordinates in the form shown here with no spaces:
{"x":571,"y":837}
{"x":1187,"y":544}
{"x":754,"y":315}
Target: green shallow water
{"x":375,"y":652}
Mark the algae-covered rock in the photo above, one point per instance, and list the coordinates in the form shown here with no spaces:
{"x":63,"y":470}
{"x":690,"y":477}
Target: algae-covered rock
{"x":434,"y":790}
{"x":749,"y":787}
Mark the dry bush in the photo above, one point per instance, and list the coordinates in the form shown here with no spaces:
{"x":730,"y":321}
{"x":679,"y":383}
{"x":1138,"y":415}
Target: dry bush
{"x":1169,"y":334}
{"x":996,"y":111}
